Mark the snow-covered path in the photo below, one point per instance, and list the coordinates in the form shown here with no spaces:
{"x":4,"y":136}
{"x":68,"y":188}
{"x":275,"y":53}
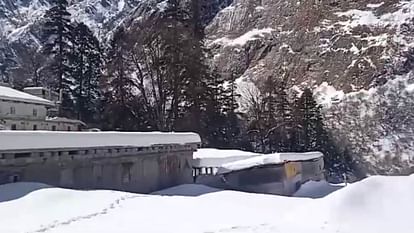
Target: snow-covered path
{"x":375,"y":205}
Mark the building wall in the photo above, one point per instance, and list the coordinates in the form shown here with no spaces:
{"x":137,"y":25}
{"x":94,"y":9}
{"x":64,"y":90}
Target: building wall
{"x":268,"y":179}
{"x":144,"y":170}
{"x":312,"y":170}
{"x":280,"y":179}
{"x":22,"y":110}
{"x":293,"y":180}
{"x":43,"y":93}
{"x":25,"y":124}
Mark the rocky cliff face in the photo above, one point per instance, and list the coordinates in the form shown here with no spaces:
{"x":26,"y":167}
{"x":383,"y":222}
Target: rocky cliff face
{"x":346,"y":43}
{"x":357,"y":55}
{"x":19,"y":19}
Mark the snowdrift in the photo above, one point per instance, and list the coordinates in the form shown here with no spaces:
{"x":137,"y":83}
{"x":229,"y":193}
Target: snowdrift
{"x":375,"y":205}
{"x":317,"y":189}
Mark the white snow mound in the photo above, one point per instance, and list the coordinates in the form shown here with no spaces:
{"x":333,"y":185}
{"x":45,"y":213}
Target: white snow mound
{"x":375,"y":205}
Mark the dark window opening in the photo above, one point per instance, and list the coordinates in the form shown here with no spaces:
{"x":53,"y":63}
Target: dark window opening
{"x":73,"y":152}
{"x":14,"y":178}
{"x":22,"y":155}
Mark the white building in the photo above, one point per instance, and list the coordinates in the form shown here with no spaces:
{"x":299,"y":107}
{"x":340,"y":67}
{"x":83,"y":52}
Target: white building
{"x":22,"y":111}
{"x":47,"y":94}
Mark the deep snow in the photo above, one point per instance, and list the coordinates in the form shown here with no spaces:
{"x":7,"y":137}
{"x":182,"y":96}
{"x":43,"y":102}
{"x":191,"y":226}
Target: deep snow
{"x":375,"y":205}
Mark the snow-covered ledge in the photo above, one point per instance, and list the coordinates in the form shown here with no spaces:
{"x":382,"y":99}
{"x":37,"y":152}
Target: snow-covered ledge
{"x":28,"y":140}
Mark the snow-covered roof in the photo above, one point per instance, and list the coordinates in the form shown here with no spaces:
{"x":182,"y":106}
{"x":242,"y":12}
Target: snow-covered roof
{"x":208,"y":157}
{"x":227,"y":160}
{"x":277,"y":158}
{"x":7,"y":93}
{"x":26,"y":140}
{"x":65,"y":120}
{"x":35,"y":88}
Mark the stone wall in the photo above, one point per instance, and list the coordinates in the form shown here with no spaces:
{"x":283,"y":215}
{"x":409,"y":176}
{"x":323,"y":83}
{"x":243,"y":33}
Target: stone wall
{"x":133,"y":169}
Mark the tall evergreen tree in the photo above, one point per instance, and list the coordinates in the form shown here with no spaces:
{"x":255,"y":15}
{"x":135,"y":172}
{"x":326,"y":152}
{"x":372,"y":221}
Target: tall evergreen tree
{"x":281,"y":127}
{"x":309,"y":116}
{"x":86,"y":72}
{"x":222,"y":119}
{"x":58,"y":42}
{"x":315,"y":137}
{"x":284,"y":115}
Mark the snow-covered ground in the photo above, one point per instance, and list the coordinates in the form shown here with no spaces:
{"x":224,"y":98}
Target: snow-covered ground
{"x":375,"y":205}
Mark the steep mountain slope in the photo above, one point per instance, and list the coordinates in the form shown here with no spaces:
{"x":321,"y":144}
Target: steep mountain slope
{"x":20,"y":19}
{"x":345,"y":43}
{"x":357,"y":53}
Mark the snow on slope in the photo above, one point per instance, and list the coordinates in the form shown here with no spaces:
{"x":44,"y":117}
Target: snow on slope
{"x":317,"y":189}
{"x":99,"y":16}
{"x":254,"y":34}
{"x":374,"y":205}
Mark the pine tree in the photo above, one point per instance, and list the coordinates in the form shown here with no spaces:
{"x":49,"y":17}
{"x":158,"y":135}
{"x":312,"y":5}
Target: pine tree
{"x":214,"y":136}
{"x":58,"y":41}
{"x":310,"y":118}
{"x":284,"y":113}
{"x":86,"y":72}
{"x":58,"y":44}
{"x":229,"y":103}
{"x":281,"y":127}
{"x":315,"y":137}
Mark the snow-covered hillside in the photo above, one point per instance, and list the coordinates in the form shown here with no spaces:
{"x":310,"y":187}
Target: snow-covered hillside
{"x":19,"y":18}
{"x":375,"y":205}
